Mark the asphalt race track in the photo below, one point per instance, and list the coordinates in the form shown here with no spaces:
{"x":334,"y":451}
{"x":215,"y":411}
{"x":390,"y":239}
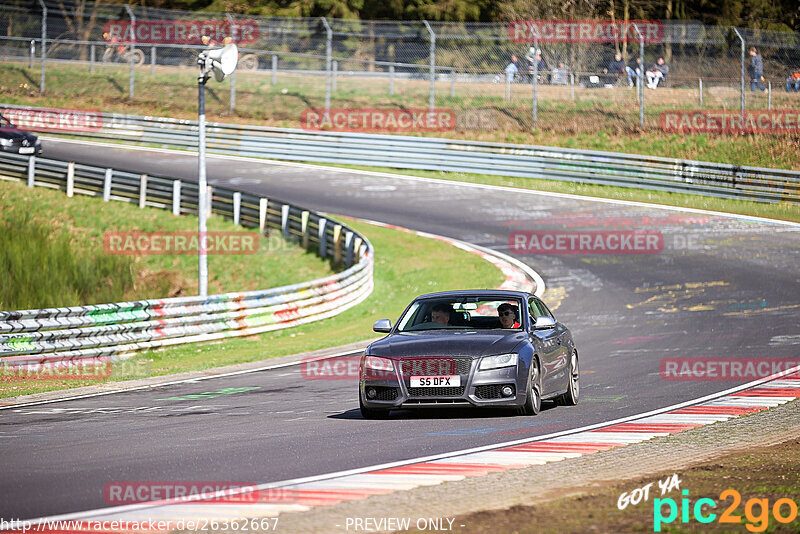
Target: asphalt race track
{"x":720,"y":287}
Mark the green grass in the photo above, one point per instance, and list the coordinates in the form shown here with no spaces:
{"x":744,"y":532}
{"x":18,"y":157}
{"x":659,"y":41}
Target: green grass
{"x":596,"y":120}
{"x":406,"y":265}
{"x":52,"y":254}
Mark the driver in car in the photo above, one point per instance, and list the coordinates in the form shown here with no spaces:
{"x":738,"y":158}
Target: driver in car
{"x":508,"y":315}
{"x":440,"y":313}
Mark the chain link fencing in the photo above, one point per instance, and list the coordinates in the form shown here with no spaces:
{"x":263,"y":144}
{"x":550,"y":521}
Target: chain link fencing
{"x":573,"y":85}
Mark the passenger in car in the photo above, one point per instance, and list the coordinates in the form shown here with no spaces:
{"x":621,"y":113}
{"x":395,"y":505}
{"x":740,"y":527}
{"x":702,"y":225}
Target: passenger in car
{"x":441,"y":313}
{"x":508,"y":315}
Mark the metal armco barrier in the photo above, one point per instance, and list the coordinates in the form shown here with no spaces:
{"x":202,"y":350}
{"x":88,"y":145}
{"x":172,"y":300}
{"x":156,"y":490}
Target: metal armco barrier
{"x":58,"y":334}
{"x":405,"y":152}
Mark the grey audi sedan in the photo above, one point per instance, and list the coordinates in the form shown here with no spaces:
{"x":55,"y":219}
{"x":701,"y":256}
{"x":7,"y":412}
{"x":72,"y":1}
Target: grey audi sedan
{"x":486,"y":348}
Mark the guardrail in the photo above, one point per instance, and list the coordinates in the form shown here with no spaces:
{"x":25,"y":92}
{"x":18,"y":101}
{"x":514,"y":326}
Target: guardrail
{"x":62,"y":334}
{"x":437,"y":154}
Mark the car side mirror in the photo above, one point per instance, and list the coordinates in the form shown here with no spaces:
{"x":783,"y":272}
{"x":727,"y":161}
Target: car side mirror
{"x":382,"y":325}
{"x":543,"y":323}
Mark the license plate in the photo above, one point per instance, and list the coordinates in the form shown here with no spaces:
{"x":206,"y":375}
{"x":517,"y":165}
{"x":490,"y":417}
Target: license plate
{"x":26,"y":150}
{"x":435,"y":381}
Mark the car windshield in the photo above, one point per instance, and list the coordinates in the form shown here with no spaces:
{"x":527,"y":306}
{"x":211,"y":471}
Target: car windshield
{"x":461,"y":313}
{"x":5,"y":123}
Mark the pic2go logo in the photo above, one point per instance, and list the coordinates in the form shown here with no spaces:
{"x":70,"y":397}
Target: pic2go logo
{"x":784,"y":511}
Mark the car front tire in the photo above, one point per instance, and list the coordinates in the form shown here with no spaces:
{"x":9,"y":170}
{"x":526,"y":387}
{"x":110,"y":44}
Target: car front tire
{"x":371,"y":413}
{"x":533,"y":401}
{"x":570,"y":398}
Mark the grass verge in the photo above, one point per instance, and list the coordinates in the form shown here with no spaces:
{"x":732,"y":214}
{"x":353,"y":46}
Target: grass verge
{"x":765,"y":474}
{"x":406,"y":265}
{"x":64,"y":239}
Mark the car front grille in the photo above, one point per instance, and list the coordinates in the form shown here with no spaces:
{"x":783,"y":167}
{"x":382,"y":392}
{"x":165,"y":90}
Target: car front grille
{"x":436,"y":392}
{"x":435,"y":366}
{"x":490,"y":391}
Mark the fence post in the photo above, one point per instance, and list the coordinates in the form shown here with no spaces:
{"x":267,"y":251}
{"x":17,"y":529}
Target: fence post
{"x":337,"y":238}
{"x":285,"y":220}
{"x":328,"y":44}
{"x":237,"y":207}
{"x":209,"y":200}
{"x":274,"y":79}
{"x":641,"y":68}
{"x":452,"y":83}
{"x":92,"y":54}
{"x":176,"y":197}
{"x":262,"y":214}
{"x":700,"y":87}
{"x":769,"y":95}
{"x":333,"y":79}
{"x":508,"y":88}
{"x":132,"y":51}
{"x":304,"y":228}
{"x":323,"y":239}
{"x":432,"y":69}
{"x":348,"y":246}
{"x":32,"y":53}
{"x":572,"y":85}
{"x":232,"y":30}
{"x":741,"y":87}
{"x":44,"y":44}
{"x":142,"y":190}
{"x":107,"y":185}
{"x":535,"y":81}
{"x":391,"y":80}
{"x":70,"y":178}
{"x":152,"y":60}
{"x":31,"y":170}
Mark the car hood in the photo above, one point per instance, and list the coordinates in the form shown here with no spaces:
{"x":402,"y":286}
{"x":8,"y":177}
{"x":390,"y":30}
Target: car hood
{"x":13,"y":133}
{"x":447,"y":343}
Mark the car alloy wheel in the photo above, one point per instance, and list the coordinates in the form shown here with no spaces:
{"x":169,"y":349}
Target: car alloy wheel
{"x":533,"y":402}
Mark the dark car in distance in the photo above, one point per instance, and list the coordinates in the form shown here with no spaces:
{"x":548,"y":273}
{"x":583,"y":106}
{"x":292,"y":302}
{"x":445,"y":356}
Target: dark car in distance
{"x":12,"y":139}
{"x":484,"y":348}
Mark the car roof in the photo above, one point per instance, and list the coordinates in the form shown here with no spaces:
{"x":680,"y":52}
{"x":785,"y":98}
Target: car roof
{"x":490,"y":293}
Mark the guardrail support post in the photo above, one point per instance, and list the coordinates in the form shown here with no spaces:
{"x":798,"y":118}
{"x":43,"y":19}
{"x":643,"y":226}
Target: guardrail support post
{"x":348,"y":246}
{"x":357,"y":245}
{"x":304,"y":228}
{"x":31,"y":170}
{"x":70,"y":178}
{"x":274,"y":79}
{"x":142,"y":190}
{"x":391,"y":80}
{"x":285,"y":220}
{"x":323,"y":237}
{"x":237,"y":207}
{"x":176,"y":197}
{"x":337,"y":243}
{"x":107,"y":185}
{"x":262,"y":214}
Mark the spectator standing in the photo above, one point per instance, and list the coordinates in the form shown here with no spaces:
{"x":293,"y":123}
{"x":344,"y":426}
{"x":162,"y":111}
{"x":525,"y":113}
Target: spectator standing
{"x":512,"y":69}
{"x":756,"y":70}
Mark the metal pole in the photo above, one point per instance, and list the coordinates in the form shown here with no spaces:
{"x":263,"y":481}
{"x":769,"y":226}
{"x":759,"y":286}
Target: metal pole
{"x":152,"y":60}
{"x":452,"y":83}
{"x":92,"y":54}
{"x":233,"y":74}
{"x":132,"y":50}
{"x":741,"y":89}
{"x":32,"y":53}
{"x":508,"y":88}
{"x":391,"y":80}
{"x":641,"y":74}
{"x":202,"y":188}
{"x":44,"y":44}
{"x":535,"y":81}
{"x":572,"y":85}
{"x":769,"y":95}
{"x":432,"y":74}
{"x":274,"y":69}
{"x":333,"y":79}
{"x":700,"y":84}
{"x":328,"y":44}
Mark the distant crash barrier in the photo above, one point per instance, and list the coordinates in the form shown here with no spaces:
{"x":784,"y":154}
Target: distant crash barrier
{"x":104,"y":330}
{"x":438,"y":154}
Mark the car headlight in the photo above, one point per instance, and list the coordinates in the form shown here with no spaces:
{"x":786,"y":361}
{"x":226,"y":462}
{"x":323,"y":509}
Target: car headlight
{"x":377,"y":363}
{"x":496,"y":362}
{"x":6,"y":142}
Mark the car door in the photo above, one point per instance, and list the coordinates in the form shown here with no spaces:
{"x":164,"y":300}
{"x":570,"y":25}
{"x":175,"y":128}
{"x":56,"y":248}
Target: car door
{"x":547,"y":342}
{"x":561,"y":361}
